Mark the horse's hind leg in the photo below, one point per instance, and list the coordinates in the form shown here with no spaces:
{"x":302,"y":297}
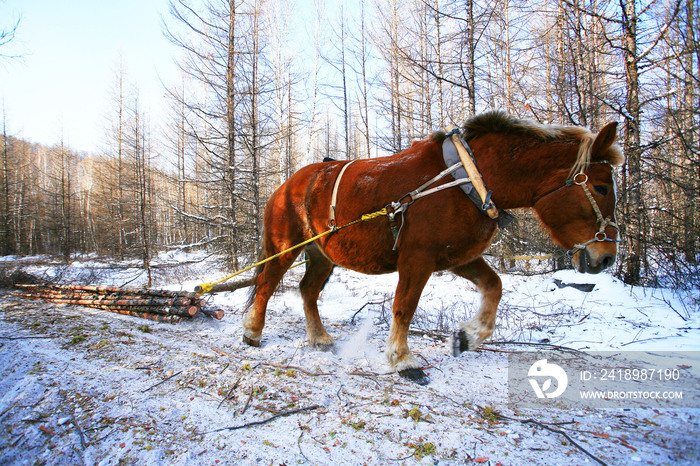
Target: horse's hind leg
{"x":472,"y":333}
{"x":318,"y":270}
{"x":265,"y":284}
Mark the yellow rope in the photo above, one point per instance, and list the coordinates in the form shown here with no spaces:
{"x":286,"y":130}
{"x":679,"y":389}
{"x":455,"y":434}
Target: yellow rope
{"x":207,"y":287}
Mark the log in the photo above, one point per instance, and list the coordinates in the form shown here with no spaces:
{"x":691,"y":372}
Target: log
{"x":117,"y":300}
{"x":102,"y":303}
{"x":183,"y":311}
{"x":149,"y":316}
{"x":228,"y":286}
{"x":157,"y":305}
{"x":115,"y":289}
{"x":217,"y":314}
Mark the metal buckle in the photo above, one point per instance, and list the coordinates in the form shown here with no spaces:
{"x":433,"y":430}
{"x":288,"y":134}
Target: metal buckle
{"x":582,"y":182}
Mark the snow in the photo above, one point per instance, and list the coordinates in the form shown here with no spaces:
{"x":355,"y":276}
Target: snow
{"x":139,"y":392}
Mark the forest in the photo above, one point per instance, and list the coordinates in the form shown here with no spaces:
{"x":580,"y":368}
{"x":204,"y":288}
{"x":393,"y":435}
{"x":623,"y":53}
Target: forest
{"x":256,"y":101}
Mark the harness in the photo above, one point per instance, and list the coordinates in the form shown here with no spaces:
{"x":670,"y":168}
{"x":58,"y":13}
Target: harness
{"x":581,"y":179}
{"x":471,"y":184}
{"x":459,"y":160}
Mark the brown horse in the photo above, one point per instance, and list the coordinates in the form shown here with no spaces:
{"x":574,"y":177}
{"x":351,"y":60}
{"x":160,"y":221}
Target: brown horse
{"x":525,"y":165}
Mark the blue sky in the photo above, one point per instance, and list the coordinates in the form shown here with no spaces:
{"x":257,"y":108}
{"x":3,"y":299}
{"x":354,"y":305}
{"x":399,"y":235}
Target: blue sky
{"x":70,"y":55}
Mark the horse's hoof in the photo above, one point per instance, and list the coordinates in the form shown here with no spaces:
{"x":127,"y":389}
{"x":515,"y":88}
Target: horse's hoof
{"x":249,"y":341}
{"x":415,"y":375}
{"x":460,"y":343}
{"x":325,"y":347}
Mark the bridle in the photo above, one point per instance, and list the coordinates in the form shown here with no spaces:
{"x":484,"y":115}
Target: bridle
{"x":581,"y":179}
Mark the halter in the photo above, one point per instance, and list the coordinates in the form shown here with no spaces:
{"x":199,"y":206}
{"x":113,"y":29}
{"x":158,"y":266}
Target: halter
{"x":580,"y":179}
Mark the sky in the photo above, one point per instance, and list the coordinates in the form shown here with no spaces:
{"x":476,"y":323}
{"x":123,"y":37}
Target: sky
{"x":70,"y":51}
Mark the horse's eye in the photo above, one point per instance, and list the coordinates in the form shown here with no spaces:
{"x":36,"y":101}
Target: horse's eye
{"x":601,"y":190}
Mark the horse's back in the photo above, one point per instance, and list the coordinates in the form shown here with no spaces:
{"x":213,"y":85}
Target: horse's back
{"x":300,"y":209}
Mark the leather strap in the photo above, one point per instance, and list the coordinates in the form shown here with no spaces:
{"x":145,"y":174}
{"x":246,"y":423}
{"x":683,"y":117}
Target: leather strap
{"x":334,"y":196}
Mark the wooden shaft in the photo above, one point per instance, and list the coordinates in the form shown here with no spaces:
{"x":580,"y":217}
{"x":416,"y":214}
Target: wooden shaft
{"x":472,"y":171}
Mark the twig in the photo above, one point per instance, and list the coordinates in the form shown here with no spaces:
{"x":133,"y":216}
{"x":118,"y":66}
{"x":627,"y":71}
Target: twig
{"x":556,"y":431}
{"x":228,"y":395}
{"x":247,"y":403}
{"x":302,"y":428}
{"x":265,"y":408}
{"x":644,"y":339}
{"x":80,"y":432}
{"x":265,"y":421}
{"x":269,"y":364}
{"x":352,"y":320}
{"x":403,"y":459}
{"x":369,"y":374}
{"x":47,"y":431}
{"x":566,"y":436}
{"x":285,"y":366}
{"x":25,"y":338}
{"x":435,"y":335}
{"x":161,"y":382}
{"x":527,"y":343}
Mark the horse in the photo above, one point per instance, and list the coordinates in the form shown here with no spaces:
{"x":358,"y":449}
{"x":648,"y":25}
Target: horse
{"x":525,"y":164}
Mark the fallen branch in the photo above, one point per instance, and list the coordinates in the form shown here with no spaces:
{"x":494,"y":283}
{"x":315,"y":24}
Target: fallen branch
{"x":230,"y":392}
{"x":161,"y":382}
{"x":566,"y":436}
{"x":371,"y":303}
{"x":296,"y":368}
{"x":265,"y":421}
{"x":553,"y":430}
{"x":527,"y":343}
{"x":25,"y":338}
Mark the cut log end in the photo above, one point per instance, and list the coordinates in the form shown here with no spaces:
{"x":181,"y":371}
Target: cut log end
{"x":217,"y":314}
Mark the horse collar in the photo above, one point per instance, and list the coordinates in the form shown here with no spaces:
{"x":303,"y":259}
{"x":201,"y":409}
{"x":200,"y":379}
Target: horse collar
{"x":451,"y":157}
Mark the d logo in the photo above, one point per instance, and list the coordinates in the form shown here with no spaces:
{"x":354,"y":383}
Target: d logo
{"x":542,"y":369}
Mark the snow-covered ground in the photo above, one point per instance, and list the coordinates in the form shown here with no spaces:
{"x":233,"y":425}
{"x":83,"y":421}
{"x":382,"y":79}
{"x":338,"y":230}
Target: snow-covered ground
{"x":86,"y":386}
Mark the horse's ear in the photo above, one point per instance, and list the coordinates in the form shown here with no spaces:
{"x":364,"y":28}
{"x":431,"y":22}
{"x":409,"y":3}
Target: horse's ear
{"x":604,"y":140}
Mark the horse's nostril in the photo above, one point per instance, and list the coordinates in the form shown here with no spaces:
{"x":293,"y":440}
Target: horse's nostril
{"x":608,"y":260}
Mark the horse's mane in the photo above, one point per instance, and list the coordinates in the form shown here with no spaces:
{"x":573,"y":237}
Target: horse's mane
{"x":500,"y":122}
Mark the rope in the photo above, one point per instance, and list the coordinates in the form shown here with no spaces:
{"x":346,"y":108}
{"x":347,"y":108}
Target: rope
{"x":207,"y":287}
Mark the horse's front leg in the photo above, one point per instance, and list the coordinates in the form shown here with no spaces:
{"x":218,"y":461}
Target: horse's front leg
{"x":412,"y":280}
{"x":472,"y":333}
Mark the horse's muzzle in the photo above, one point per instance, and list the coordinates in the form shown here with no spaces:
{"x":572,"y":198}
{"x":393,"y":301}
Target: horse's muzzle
{"x":585,"y":262}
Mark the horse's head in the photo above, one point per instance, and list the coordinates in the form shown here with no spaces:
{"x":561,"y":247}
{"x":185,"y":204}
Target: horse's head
{"x":580,"y":212}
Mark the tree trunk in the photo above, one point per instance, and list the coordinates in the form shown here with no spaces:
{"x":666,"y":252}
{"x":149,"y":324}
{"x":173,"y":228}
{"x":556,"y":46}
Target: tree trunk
{"x":634,"y":227}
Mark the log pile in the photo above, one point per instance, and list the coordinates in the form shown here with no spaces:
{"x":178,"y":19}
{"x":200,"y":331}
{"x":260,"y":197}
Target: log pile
{"x":157,"y":305}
